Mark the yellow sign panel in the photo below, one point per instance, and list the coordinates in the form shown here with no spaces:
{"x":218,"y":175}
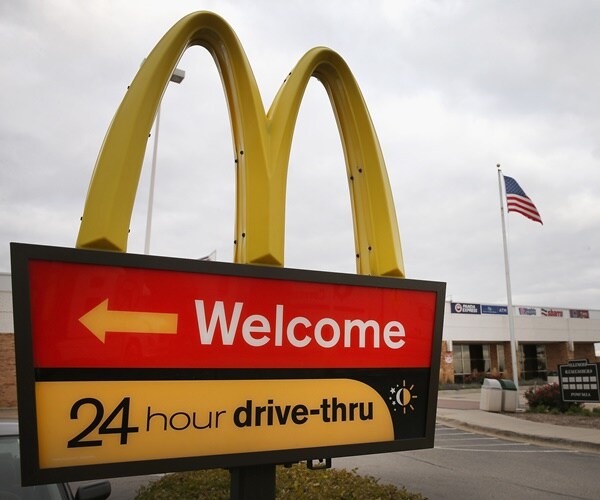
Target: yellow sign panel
{"x":88,"y":423}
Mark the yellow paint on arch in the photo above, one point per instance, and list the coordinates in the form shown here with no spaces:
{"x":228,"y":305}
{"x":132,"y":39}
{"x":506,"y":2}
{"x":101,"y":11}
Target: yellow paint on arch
{"x":262,"y":144}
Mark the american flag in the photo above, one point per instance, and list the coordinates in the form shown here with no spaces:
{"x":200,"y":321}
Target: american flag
{"x":518,"y":201}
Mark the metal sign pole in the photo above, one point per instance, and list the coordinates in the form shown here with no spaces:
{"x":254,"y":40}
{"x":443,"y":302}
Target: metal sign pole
{"x":511,"y":317}
{"x":253,"y":483}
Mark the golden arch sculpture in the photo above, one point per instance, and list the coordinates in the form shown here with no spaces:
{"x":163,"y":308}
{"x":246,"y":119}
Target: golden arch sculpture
{"x":262,"y":144}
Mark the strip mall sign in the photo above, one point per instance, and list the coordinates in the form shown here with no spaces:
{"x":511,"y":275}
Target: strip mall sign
{"x":142,"y":364}
{"x":463,"y":308}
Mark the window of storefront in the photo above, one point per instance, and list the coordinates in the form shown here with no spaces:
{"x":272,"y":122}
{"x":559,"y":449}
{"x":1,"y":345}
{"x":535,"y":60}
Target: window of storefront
{"x":471,"y":362}
{"x":533,"y":361}
{"x":500,"y":355}
{"x":462,"y":362}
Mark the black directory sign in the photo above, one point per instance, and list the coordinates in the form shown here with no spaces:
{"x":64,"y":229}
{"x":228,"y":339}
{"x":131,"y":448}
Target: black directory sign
{"x":579,"y":381}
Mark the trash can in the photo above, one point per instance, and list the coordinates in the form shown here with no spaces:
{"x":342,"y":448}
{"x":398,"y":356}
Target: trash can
{"x":510,"y":395}
{"x":491,"y":395}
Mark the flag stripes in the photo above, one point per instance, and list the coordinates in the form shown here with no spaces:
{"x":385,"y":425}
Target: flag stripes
{"x":518,"y":201}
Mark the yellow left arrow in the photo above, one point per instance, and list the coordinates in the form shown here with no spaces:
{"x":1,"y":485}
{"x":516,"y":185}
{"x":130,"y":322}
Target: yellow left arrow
{"x":100,"y":321}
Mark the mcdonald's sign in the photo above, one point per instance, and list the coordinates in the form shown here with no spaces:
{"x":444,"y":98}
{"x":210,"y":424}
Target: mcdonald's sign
{"x":132,"y":364}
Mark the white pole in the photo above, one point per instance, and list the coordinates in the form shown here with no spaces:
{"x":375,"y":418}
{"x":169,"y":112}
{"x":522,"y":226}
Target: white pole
{"x":511,"y":314}
{"x":177,"y":77}
{"x":152,"y":180}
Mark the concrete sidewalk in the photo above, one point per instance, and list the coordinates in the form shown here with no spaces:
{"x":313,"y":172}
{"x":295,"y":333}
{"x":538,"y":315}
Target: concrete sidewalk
{"x":460,"y":408}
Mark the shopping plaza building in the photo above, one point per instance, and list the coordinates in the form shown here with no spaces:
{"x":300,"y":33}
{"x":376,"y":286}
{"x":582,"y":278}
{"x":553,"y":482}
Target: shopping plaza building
{"x":476,"y":341}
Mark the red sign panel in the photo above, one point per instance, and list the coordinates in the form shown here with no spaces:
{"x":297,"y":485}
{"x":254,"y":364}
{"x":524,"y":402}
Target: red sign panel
{"x":86,"y":315}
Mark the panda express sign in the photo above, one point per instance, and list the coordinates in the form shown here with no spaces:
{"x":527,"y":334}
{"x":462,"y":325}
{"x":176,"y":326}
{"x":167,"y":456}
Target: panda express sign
{"x":142,"y":364}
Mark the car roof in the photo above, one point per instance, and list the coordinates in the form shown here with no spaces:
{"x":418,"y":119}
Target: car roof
{"x":9,"y":428}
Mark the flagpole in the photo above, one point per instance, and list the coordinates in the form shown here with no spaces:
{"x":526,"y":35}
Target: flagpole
{"x":511,"y":314}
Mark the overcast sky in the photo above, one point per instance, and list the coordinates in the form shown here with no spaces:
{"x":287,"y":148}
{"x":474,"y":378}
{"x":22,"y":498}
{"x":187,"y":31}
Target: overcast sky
{"x":453,"y":88}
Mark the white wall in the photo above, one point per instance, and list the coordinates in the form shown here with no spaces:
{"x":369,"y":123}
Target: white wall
{"x":5,"y":282}
{"x":6,"y":313}
{"x":494,"y":327}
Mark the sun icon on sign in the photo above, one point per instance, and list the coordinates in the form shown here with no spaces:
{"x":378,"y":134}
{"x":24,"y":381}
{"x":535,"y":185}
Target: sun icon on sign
{"x":401,"y":397}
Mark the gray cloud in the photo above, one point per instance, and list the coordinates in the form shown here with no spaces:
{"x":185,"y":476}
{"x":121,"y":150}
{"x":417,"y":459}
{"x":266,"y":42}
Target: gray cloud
{"x":453,"y":89}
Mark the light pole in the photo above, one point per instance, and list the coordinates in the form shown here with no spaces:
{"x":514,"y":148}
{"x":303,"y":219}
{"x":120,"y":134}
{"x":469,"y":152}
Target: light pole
{"x":177,"y":77}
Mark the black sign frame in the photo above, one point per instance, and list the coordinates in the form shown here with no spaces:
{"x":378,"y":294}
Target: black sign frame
{"x":28,"y":375}
{"x":579,"y":381}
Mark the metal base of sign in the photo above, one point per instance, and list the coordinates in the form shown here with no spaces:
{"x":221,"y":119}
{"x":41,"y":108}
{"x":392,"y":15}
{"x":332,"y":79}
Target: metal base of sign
{"x":253,"y":483}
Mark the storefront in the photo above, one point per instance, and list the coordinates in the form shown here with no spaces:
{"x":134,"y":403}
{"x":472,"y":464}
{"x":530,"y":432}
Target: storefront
{"x":477,"y":341}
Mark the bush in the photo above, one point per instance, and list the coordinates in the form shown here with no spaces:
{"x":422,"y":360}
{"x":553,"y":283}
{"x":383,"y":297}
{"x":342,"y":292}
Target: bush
{"x":296,"y":482}
{"x":547,"y":398}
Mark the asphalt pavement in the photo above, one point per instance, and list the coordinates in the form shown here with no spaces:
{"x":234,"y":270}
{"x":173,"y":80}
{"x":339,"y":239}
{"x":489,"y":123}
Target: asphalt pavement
{"x":456,"y":408}
{"x":461,"y":408}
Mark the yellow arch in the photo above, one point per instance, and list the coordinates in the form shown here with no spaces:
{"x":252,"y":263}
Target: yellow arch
{"x":376,"y":234}
{"x":262,"y":144}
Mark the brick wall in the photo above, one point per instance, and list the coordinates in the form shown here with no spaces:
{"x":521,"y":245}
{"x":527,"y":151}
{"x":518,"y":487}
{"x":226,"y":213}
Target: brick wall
{"x":557,"y":354}
{"x":508,"y":370}
{"x":446,"y":365}
{"x":8,"y":379}
{"x":585,"y":351}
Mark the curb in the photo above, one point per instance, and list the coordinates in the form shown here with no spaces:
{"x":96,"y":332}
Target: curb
{"x":520,"y":436}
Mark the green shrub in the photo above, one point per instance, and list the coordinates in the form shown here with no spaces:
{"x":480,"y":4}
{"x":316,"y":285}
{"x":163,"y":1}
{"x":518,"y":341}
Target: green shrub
{"x":539,"y":409}
{"x":294,"y":483}
{"x":547,"y":398}
{"x":580,"y":411}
